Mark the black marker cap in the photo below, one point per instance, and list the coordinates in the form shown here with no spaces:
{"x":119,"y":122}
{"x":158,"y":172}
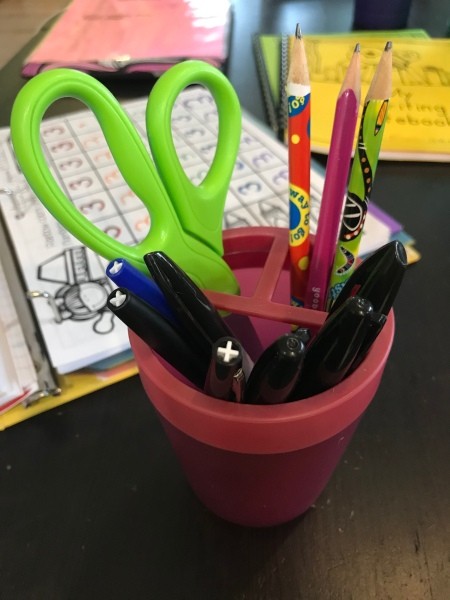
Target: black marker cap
{"x":378,"y":278}
{"x":276,"y":371}
{"x":195,"y":312}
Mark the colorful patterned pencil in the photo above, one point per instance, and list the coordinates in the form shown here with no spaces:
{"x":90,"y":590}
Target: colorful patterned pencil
{"x":298,"y":91}
{"x":362,"y":174}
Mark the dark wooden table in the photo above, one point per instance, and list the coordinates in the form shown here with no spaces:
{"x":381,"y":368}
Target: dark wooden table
{"x":94,"y":505}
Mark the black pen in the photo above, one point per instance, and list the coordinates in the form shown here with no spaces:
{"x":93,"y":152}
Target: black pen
{"x":377,"y":278}
{"x":194,"y":311}
{"x":331,"y":353}
{"x":276,"y":371}
{"x":158,"y":333}
{"x":225,"y":378}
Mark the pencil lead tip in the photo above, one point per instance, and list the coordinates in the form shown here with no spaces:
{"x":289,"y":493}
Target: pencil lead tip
{"x":298,"y":31}
{"x":388,"y":46}
{"x":358,"y":47}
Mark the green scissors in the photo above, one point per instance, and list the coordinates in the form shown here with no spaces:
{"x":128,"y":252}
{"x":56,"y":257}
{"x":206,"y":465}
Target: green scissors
{"x":186,"y":219}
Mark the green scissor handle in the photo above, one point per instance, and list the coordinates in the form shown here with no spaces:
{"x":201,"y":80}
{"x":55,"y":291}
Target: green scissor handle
{"x":167,"y":232}
{"x":200,"y":207}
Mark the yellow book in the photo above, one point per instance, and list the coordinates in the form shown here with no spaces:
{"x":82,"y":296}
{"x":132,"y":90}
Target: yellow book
{"x":418,"y":125}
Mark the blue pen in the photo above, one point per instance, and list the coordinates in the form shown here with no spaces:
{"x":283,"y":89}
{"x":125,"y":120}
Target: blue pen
{"x":123,"y":274}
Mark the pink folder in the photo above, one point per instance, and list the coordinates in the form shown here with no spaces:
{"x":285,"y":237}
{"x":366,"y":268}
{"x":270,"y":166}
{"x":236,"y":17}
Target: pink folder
{"x":131,"y":36}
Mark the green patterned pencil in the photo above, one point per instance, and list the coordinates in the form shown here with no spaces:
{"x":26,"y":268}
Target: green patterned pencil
{"x":370,"y":135}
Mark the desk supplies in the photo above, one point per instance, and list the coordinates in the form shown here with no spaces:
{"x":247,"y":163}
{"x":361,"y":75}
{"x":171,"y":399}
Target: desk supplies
{"x":336,"y":174}
{"x":123,"y":274}
{"x":225,"y":378}
{"x":298,"y":93}
{"x":81,"y":161}
{"x":126,"y":37}
{"x":362,"y":174}
{"x":244,"y":462}
{"x":158,"y":333}
{"x":276,"y":371}
{"x":44,"y":255}
{"x":332,"y":352}
{"x":186,"y":219}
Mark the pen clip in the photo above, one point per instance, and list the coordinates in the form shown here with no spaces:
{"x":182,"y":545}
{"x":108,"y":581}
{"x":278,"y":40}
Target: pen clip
{"x":237,"y":386}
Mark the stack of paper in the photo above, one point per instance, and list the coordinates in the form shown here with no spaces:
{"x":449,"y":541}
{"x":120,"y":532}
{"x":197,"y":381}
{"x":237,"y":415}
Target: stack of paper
{"x":18,"y":378}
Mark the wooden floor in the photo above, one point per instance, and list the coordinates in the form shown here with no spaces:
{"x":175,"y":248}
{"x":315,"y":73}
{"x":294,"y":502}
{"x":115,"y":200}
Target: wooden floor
{"x":20,"y":20}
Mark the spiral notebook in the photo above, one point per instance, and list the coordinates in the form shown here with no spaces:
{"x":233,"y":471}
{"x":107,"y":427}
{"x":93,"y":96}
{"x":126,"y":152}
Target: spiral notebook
{"x":418,"y":120}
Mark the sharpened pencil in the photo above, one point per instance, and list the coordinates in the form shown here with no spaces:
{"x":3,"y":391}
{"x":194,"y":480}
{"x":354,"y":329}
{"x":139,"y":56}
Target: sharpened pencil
{"x":362,"y":173}
{"x":335,"y":185}
{"x":298,"y":91}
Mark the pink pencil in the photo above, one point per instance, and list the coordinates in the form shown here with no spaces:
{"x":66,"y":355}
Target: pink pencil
{"x":336,"y":175}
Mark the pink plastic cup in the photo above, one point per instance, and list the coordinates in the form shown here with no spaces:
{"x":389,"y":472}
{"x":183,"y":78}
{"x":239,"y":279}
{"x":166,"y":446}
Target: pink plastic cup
{"x":260,"y":465}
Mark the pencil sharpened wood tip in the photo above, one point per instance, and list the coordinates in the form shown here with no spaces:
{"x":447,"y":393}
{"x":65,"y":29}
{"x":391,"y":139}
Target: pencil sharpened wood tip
{"x":352,"y":78}
{"x":381,"y":85}
{"x":357,"y":47}
{"x":298,"y":31}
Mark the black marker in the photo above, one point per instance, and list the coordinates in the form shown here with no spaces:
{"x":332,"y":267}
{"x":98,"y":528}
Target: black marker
{"x":194,"y":311}
{"x":225,"y":378}
{"x":276,"y":372}
{"x":377,"y":323}
{"x":158,"y":333}
{"x":378,"y":278}
{"x":303,"y":334}
{"x":331,"y":353}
